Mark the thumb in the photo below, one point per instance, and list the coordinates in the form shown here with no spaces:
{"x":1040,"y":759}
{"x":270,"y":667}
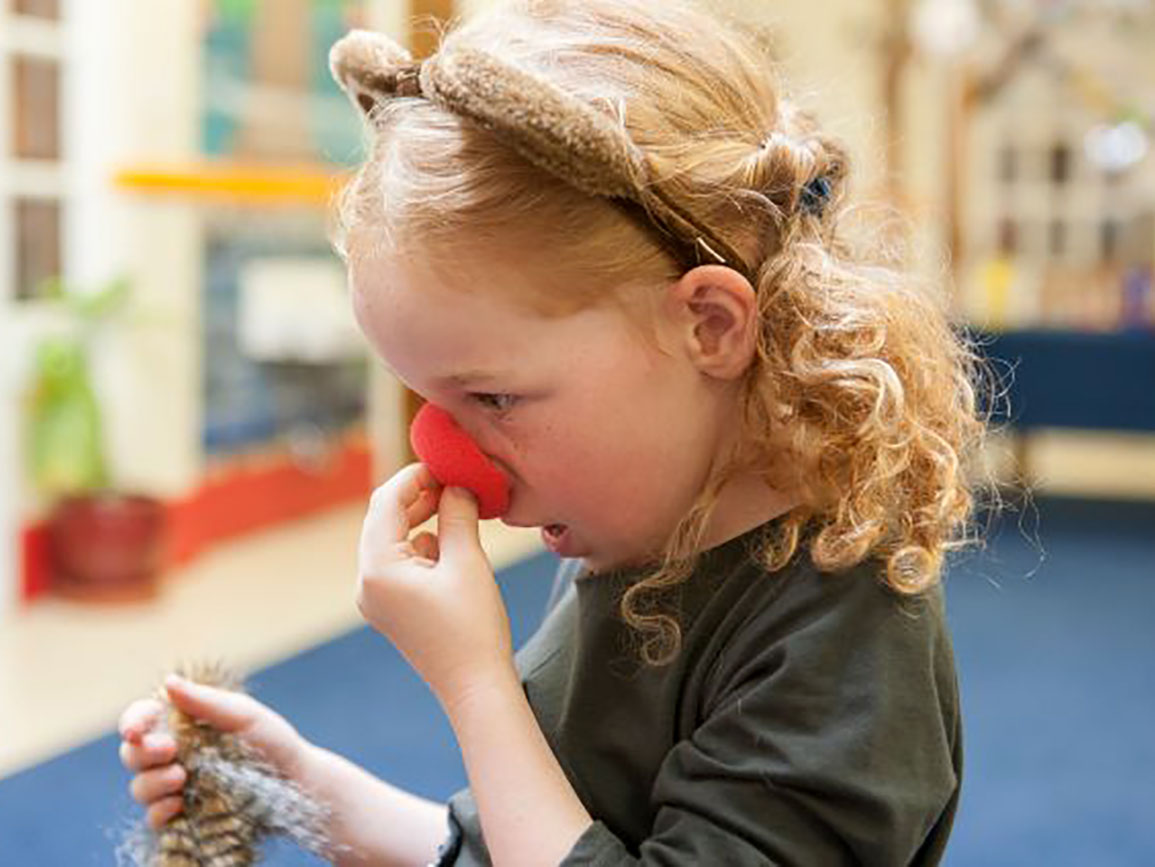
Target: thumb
{"x":222,"y":708}
{"x":457,"y":521}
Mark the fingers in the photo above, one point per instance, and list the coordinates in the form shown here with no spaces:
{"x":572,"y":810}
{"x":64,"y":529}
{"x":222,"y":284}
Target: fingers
{"x":150,"y":786}
{"x":155,"y":749}
{"x":164,"y":810}
{"x":403,"y":502}
{"x":138,"y":718}
{"x":426,"y":546}
{"x":423,"y":508}
{"x":224,"y":709}
{"x":457,"y":522}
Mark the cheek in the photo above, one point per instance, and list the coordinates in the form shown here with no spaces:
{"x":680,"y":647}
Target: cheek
{"x":585,"y":461}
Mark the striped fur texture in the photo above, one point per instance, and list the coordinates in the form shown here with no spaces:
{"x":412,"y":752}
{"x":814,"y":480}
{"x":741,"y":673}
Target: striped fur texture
{"x":232,"y":799}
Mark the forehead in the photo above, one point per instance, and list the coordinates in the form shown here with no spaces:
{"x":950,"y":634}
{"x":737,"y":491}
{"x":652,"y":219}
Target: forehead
{"x":428,"y":322}
{"x":409,"y":300}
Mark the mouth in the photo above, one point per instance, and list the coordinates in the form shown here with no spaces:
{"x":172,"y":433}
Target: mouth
{"x":558,"y":539}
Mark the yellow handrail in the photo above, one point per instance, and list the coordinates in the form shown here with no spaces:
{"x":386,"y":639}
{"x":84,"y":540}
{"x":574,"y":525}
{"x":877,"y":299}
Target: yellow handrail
{"x":240,"y":183}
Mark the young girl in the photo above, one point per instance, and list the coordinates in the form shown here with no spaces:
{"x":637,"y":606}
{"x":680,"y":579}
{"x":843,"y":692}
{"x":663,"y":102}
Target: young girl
{"x":598,"y":234}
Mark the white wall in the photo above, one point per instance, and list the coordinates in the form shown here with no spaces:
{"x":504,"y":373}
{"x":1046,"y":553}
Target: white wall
{"x":129,"y":96}
{"x":147,"y":57}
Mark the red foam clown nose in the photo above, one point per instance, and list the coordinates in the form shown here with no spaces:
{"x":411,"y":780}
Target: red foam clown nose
{"x":455,"y":460}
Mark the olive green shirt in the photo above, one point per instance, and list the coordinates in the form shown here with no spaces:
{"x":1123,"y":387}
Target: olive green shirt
{"x":809,"y":719}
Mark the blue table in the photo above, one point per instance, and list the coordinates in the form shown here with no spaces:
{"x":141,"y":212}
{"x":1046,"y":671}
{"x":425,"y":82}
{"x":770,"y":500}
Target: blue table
{"x":1071,"y":379}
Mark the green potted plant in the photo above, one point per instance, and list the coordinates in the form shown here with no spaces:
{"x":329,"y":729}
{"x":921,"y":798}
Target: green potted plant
{"x":104,"y":544}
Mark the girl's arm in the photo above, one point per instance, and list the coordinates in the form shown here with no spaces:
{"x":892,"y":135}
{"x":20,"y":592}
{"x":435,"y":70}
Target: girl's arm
{"x":435,"y":598}
{"x":529,"y":812}
{"x":372,"y":822}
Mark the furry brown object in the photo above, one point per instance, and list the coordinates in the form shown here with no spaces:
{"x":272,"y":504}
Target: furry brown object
{"x":232,"y":799}
{"x":552,"y":129}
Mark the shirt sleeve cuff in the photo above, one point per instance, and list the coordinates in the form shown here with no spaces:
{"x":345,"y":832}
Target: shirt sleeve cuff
{"x":598,"y":847}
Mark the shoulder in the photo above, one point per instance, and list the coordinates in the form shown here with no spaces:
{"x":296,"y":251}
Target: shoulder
{"x":832,"y":700}
{"x":823,"y":630}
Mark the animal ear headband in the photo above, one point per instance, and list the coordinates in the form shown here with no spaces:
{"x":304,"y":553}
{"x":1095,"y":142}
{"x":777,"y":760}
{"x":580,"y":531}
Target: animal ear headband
{"x":547,"y":126}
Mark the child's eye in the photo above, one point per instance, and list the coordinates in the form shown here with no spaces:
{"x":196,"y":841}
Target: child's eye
{"x":499,"y":403}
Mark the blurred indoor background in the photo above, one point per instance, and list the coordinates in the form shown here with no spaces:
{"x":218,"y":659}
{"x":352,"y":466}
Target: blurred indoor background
{"x":190,"y":423}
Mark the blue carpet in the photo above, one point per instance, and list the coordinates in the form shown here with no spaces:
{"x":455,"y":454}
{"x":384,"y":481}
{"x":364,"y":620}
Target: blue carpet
{"x":1054,"y":639}
{"x":1055,"y":649}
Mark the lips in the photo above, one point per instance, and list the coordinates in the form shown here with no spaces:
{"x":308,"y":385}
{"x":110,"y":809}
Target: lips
{"x":558,"y":539}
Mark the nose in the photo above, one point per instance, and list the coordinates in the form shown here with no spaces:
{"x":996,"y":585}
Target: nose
{"x":456,"y":460}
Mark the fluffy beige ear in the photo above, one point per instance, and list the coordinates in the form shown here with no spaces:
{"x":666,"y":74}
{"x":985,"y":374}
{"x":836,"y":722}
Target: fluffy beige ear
{"x":551,"y":128}
{"x":371,"y":68}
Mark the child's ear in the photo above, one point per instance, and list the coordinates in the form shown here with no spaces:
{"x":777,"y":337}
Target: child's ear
{"x":717,"y":310}
{"x":371,"y":68}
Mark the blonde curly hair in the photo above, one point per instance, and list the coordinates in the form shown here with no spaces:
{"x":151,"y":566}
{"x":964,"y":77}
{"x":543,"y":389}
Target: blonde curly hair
{"x":862,"y":396}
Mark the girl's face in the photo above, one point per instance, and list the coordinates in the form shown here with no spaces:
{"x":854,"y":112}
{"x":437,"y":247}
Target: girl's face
{"x":597,"y":429}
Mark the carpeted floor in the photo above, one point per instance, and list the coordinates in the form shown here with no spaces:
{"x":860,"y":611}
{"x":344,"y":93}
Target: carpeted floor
{"x":1055,"y":648}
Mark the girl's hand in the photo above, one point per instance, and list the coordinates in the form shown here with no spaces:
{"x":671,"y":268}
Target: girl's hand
{"x":151,"y":754}
{"x":433,"y":596}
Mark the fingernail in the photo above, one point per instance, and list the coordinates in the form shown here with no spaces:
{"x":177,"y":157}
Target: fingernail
{"x":178,"y":681}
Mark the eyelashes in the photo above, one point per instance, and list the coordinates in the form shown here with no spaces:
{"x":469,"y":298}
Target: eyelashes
{"x":500,"y":404}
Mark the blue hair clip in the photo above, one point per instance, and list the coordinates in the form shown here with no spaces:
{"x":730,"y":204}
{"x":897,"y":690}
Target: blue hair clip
{"x":815,"y":195}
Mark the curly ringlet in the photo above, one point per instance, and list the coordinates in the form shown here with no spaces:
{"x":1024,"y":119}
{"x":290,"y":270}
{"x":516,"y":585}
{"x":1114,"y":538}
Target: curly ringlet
{"x":861,"y":396}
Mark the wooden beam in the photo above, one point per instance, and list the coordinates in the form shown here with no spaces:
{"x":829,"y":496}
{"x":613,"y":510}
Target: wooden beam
{"x":896,"y":54}
{"x":426,"y":19}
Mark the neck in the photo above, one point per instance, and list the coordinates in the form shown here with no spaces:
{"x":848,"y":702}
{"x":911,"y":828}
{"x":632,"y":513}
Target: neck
{"x":745,"y":502}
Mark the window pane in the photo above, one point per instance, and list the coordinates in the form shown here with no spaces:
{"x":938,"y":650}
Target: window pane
{"x":36,"y":131}
{"x":37,"y":244}
{"x":37,"y":8}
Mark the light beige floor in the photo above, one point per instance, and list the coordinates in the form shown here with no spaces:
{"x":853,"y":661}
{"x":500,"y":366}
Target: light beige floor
{"x":68,"y":669}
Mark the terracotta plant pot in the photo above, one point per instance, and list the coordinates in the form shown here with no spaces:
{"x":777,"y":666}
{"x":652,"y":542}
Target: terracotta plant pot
{"x":107,"y":547}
